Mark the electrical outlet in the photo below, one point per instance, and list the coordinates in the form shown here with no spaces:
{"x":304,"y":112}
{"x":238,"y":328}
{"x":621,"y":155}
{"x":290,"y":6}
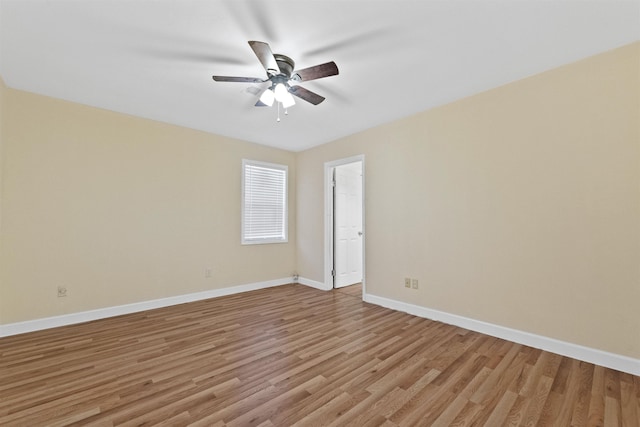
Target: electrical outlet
{"x":62,"y":291}
{"x":414,"y":283}
{"x":407,"y":282}
{"x":208,"y":272}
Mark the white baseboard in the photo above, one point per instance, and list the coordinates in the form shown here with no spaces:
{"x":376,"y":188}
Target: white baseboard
{"x":314,"y":284}
{"x":102,"y":313}
{"x":586,"y":354}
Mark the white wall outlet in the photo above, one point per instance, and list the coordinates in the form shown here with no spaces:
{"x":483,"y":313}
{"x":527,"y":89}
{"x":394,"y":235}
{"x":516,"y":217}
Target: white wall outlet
{"x":208,"y":272}
{"x":62,"y":291}
{"x":414,"y":283}
{"x":407,"y":282}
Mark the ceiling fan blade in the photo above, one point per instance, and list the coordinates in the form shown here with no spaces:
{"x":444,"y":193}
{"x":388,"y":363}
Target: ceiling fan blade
{"x":317,"y":72}
{"x":261,"y":104}
{"x":306,"y":94}
{"x":238,"y":79}
{"x":264,"y":54}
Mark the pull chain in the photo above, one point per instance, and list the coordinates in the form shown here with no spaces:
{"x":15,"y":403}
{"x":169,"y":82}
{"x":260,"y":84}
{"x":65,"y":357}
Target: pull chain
{"x":286,"y":112}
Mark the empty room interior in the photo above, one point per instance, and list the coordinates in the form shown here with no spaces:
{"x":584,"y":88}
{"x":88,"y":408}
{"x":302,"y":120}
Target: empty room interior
{"x":356,"y":212}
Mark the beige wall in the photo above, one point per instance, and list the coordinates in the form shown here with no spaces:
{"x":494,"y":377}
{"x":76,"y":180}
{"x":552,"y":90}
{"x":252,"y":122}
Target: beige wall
{"x":3,"y":90}
{"x":121,"y":209}
{"x":519,"y":206}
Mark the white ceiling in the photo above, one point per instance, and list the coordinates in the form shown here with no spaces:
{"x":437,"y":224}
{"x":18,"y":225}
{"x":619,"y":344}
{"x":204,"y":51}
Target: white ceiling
{"x":155,"y":58}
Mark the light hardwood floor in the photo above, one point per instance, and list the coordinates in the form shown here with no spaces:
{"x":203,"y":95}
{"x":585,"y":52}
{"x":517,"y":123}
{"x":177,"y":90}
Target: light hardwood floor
{"x":293,"y":355}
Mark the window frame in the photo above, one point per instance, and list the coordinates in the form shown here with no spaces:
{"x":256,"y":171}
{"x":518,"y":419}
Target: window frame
{"x":285,"y":199}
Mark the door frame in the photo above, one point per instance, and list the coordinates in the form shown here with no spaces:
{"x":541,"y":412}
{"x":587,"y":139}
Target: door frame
{"x":328,"y":218}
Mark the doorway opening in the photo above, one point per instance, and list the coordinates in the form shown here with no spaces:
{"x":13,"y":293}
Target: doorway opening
{"x":344,"y":224}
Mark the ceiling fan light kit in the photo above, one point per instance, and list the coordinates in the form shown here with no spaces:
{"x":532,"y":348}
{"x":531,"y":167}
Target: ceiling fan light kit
{"x":284,"y":80}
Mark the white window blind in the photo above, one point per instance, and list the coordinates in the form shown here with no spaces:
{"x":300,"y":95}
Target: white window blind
{"x":264,"y":202}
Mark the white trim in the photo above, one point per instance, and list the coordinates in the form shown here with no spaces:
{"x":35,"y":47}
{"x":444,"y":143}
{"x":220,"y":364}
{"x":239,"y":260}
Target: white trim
{"x":314,"y":284}
{"x":586,"y":354}
{"x":102,"y":313}
{"x":328,"y":218}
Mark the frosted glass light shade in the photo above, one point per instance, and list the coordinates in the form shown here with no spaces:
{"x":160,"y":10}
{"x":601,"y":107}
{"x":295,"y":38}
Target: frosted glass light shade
{"x":280,"y":92}
{"x":267,"y":97}
{"x":288,"y":100}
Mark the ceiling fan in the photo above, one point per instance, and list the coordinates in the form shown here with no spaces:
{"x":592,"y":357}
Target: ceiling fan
{"x":283,"y":78}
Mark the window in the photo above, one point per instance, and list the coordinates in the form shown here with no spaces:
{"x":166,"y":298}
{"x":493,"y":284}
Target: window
{"x":264,"y":203}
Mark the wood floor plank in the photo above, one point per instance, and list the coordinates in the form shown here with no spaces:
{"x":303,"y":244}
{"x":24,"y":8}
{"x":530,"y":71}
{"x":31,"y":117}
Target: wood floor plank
{"x":629,"y":404}
{"x":293,"y":355}
{"x":499,"y":414}
{"x":596,"y":403}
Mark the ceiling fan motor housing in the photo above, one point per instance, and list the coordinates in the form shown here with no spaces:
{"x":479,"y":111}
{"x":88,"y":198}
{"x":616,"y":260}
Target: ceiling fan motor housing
{"x":285,"y":63}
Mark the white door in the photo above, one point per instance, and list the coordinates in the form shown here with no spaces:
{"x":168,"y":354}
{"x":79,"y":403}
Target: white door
{"x":348,"y":224}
